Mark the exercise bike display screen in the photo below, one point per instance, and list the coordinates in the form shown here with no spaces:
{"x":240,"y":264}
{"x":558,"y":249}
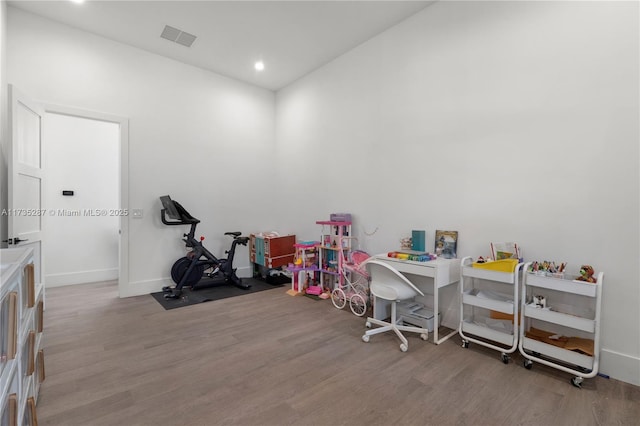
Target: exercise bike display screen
{"x":170,"y":207}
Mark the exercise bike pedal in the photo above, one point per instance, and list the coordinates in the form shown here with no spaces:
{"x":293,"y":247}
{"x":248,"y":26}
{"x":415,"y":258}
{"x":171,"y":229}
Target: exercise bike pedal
{"x":241,"y":284}
{"x":172,"y":295}
{"x":213,"y":273}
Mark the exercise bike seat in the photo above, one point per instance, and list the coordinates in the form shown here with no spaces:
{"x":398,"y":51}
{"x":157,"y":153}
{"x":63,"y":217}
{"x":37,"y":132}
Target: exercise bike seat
{"x":234,"y":234}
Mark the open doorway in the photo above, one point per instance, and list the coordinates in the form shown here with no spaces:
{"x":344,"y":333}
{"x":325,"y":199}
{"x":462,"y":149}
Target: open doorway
{"x":86,"y":223}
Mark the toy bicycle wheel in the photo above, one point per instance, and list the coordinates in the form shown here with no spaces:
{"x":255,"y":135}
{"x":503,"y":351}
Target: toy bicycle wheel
{"x":180,"y":268}
{"x":358,"y":305}
{"x":338,"y":298}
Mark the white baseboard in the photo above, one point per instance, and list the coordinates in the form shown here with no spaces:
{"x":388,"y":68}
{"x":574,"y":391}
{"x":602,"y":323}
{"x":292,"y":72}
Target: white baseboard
{"x":82,"y":277}
{"x":244,"y":272}
{"x":138,"y":288}
{"x":623,"y":367}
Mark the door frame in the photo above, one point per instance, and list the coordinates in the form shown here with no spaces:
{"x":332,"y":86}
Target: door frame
{"x":123,"y":255}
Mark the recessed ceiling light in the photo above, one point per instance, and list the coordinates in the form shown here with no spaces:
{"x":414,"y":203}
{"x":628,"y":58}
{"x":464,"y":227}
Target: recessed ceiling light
{"x":259,"y":66}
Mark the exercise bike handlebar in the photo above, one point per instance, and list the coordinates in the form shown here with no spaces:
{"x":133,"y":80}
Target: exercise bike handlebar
{"x":183,"y":221}
{"x":175,"y":211}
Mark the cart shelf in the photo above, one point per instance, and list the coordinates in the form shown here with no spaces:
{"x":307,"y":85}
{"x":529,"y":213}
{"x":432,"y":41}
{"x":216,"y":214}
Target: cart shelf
{"x":560,"y":354}
{"x":487,"y":333}
{"x":559,"y":284}
{"x":477,"y":297}
{"x":488,"y":274}
{"x":559,"y":318}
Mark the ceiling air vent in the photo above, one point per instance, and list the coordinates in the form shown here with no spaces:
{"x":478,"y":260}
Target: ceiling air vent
{"x":178,"y":36}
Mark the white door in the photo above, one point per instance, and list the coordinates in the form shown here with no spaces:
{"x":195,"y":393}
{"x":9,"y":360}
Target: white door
{"x":25,"y":176}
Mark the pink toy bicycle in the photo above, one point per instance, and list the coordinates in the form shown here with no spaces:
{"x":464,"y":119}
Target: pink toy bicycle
{"x":354,"y":283}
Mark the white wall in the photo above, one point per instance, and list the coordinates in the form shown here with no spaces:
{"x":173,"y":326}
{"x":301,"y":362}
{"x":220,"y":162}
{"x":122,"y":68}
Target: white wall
{"x":81,"y":155}
{"x":191,"y":134}
{"x":505,"y":121}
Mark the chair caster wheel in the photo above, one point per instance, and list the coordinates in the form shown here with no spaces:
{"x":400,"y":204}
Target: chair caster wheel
{"x":505,"y":358}
{"x":368,"y":324}
{"x":465,"y":344}
{"x":577,"y":382}
{"x":403,"y":347}
{"x":424,"y":337}
{"x":528,"y":364}
{"x":365,"y":338}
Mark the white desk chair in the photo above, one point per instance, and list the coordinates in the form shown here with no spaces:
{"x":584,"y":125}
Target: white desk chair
{"x":389,"y":284}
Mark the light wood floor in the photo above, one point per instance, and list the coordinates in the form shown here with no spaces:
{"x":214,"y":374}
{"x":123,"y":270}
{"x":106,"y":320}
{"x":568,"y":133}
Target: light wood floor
{"x":271,"y":359}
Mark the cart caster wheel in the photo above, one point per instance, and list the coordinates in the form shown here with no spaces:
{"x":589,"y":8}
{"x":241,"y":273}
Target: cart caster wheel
{"x":505,"y":358}
{"x":403,"y":347}
{"x":365,"y":338}
{"x":465,"y":344}
{"x":368,"y":324}
{"x":577,"y":382}
{"x":528,"y":364}
{"x":424,"y":336}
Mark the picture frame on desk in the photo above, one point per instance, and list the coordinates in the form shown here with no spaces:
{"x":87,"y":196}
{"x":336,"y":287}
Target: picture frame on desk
{"x":446,"y":244}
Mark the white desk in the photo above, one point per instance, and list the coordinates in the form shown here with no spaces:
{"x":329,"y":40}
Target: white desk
{"x":442,"y":273}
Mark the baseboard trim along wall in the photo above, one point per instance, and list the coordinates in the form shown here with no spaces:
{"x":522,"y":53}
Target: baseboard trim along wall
{"x":620,"y":366}
{"x":82,"y":277}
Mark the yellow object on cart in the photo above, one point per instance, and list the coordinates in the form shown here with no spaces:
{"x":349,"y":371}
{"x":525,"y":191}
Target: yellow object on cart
{"x":504,"y":265}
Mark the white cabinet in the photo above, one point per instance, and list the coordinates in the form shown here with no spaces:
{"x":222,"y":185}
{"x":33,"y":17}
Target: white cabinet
{"x":21,"y":360}
{"x":489,"y":305}
{"x":565,"y":333}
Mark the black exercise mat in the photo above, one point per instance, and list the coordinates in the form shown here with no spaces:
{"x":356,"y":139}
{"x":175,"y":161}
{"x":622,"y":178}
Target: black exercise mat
{"x":211,"y":291}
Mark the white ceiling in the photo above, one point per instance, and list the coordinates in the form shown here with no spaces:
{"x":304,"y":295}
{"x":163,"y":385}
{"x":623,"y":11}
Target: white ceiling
{"x":292,"y":38}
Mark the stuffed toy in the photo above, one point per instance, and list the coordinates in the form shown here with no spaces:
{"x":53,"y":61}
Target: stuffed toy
{"x":586,"y":274}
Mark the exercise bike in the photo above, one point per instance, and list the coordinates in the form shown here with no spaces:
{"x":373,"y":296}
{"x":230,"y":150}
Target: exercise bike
{"x":189,"y":270}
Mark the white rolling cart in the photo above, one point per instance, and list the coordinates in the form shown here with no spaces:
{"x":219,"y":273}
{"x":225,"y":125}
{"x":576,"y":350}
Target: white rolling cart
{"x":488,"y":310}
{"x":572,"y":310}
